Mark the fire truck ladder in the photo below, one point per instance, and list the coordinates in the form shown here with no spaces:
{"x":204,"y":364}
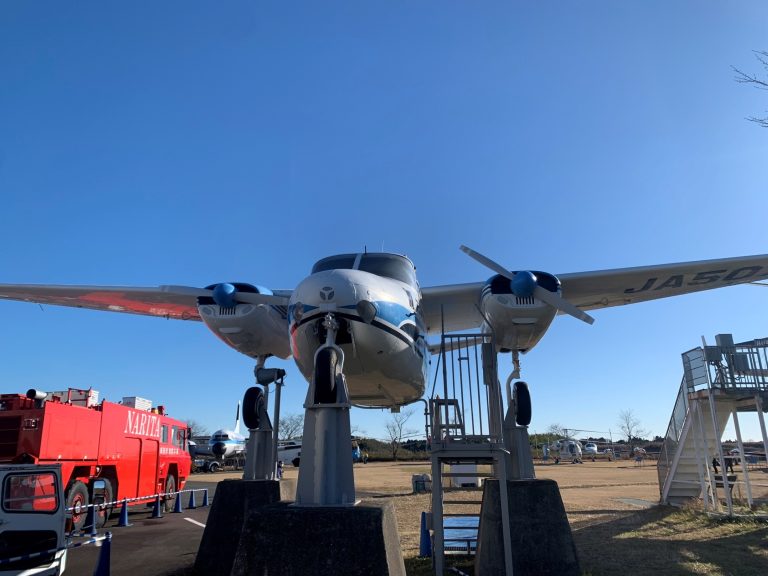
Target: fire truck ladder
{"x":467,"y":440}
{"x":719,"y":382}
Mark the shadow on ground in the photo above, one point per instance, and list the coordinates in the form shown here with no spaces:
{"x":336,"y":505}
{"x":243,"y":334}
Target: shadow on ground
{"x":665,"y":540}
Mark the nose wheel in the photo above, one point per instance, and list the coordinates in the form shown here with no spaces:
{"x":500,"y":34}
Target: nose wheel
{"x":325,"y":474}
{"x":327,"y":370}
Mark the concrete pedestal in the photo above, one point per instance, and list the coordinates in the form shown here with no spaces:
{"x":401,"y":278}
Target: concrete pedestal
{"x":542,"y":544}
{"x":285,"y":540}
{"x":233,"y":499}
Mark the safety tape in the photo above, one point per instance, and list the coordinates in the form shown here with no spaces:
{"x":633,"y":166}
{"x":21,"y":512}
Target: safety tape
{"x":107,"y":536}
{"x":105,"y":505}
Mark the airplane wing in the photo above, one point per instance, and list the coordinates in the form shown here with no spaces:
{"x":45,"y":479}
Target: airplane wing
{"x":452,"y":308}
{"x":605,"y":288}
{"x":175,"y":302}
{"x":457,"y":306}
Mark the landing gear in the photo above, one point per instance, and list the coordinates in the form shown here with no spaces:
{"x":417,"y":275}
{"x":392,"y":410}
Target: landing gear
{"x":518,"y":417}
{"x":327,"y":368}
{"x":325,"y":474}
{"x":522,"y":398}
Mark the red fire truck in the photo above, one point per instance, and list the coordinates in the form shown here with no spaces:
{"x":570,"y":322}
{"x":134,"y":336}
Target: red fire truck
{"x":107,"y":451}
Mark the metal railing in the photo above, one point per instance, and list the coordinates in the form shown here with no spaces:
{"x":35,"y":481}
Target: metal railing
{"x":672,"y":437}
{"x":739,"y":367}
{"x":462,"y":408}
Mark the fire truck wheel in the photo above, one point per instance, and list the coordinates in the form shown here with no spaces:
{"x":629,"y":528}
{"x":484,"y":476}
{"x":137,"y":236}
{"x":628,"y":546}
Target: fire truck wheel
{"x":102,"y":514}
{"x":170,"y":499}
{"x":214,"y":466}
{"x":77,"y":498}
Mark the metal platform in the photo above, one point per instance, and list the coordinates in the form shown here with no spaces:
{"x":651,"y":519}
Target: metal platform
{"x":719,"y":382}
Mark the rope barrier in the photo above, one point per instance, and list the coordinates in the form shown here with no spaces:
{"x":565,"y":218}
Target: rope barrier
{"x":105,"y":505}
{"x":107,"y":536}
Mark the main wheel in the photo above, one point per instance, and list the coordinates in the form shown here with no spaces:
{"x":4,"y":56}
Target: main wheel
{"x":170,"y":496}
{"x":77,"y":499}
{"x":253,"y":400}
{"x":102,"y":513}
{"x":325,"y":376}
{"x":522,"y":403}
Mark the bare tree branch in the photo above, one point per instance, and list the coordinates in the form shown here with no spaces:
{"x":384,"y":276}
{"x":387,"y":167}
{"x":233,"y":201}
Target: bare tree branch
{"x":396,"y":430}
{"x":291,"y":426}
{"x":630,"y":426}
{"x":753,"y":80}
{"x":196,"y":428}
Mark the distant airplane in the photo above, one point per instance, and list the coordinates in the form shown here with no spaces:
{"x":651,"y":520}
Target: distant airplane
{"x":367,"y":314}
{"x":225,"y":444}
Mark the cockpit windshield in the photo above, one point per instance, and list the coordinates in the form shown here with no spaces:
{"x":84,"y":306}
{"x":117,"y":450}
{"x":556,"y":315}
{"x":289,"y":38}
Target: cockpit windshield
{"x":389,"y":266}
{"x":386,"y":265}
{"x":341,"y":262}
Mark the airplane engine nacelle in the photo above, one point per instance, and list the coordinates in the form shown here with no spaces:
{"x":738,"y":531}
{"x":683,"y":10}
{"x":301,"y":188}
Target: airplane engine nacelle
{"x":517,"y":321}
{"x":251,"y":329}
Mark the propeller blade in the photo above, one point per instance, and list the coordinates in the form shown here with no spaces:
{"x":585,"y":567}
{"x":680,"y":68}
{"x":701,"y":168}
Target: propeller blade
{"x":542,"y":294}
{"x":561,"y":304}
{"x":253,"y":298}
{"x":487,"y":262}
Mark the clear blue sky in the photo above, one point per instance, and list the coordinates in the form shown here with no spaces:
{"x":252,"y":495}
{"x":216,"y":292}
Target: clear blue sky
{"x":149,"y":143}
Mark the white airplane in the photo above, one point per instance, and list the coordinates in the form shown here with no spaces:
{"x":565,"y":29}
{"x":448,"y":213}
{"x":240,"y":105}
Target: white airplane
{"x":372,"y":308}
{"x":225,"y":444}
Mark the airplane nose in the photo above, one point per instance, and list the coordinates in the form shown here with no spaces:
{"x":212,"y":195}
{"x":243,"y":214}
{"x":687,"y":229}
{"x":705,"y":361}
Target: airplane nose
{"x":219,"y":449}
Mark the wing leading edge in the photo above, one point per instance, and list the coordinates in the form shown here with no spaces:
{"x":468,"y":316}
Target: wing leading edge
{"x":457,"y":306}
{"x":174,"y":302}
{"x":606,"y":288}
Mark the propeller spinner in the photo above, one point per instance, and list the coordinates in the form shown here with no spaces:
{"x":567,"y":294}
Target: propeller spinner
{"x":524,"y":285}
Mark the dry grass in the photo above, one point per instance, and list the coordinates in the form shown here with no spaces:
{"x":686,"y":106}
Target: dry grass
{"x":614,"y":533}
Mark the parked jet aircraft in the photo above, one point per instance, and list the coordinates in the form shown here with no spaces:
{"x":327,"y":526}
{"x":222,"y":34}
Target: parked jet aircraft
{"x":228,"y":443}
{"x":371,"y":306}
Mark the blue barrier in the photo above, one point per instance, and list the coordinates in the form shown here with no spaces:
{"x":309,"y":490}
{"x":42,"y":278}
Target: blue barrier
{"x":157,"y":510}
{"x":425,"y":541}
{"x":124,"y":515}
{"x":205,"y":497}
{"x":191,"y":504}
{"x":105,"y":557}
{"x":177,"y":508}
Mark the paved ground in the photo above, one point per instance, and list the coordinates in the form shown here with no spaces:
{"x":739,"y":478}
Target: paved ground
{"x":591,"y":492}
{"x":150,"y":547}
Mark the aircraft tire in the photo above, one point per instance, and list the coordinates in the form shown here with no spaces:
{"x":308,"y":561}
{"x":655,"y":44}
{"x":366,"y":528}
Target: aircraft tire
{"x":296,"y":462}
{"x":522,"y":403}
{"x":325,"y":376}
{"x":77,"y":495}
{"x":252,"y":402}
{"x":214,"y":466}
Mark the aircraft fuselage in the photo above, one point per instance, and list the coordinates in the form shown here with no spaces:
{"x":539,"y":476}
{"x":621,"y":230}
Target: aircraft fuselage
{"x":375,"y":298}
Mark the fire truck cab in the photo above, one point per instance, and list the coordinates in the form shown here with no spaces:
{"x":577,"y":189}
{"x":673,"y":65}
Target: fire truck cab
{"x":107,"y":451}
{"x":32,"y":518}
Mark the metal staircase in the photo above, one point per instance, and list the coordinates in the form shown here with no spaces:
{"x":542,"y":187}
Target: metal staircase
{"x":718,"y":382}
{"x":467,"y":445}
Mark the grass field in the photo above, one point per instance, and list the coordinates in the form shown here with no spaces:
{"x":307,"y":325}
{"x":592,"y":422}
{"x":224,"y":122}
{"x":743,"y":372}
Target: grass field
{"x":618,"y":528}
